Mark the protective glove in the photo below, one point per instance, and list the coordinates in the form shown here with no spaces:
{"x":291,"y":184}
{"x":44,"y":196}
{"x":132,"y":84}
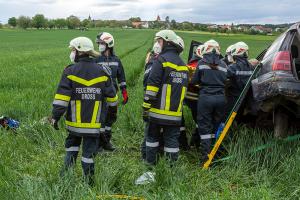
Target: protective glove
{"x":125,"y":96}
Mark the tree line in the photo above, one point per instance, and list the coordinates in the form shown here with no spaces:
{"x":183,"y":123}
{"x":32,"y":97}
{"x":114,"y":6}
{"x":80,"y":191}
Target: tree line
{"x":39,"y":21}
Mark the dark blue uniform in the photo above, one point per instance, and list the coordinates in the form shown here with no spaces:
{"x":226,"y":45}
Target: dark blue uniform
{"x":83,"y":88}
{"x":117,"y":70}
{"x":148,"y":67}
{"x":191,"y":99}
{"x":238,"y":73}
{"x":114,"y":64}
{"x":182,"y":138}
{"x":211,"y":102}
{"x":165,"y":92}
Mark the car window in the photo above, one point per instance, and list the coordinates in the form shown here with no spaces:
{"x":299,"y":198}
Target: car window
{"x":275,"y":46}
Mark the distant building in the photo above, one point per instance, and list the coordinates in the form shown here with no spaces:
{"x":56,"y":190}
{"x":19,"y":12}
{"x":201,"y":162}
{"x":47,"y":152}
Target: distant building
{"x":220,"y":27}
{"x":261,"y":29}
{"x":257,"y":29}
{"x":213,"y":26}
{"x":225,"y":27}
{"x":141,"y":24}
{"x":242,"y":28}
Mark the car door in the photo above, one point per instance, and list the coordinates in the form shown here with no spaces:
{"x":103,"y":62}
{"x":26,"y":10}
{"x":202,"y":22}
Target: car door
{"x":295,"y":53}
{"x":193,"y":46}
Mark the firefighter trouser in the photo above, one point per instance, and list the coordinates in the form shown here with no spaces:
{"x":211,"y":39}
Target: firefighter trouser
{"x":170,"y":139}
{"x":210,"y":115}
{"x":107,"y":125}
{"x":195,"y":140}
{"x":143,"y":145}
{"x":183,"y":141}
{"x":89,"y":148}
{"x":108,"y":133}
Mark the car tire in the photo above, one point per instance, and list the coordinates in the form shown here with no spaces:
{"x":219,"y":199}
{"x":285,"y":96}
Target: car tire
{"x":281,"y":123}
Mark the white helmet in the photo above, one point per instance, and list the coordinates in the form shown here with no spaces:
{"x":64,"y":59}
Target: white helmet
{"x":82,"y":44}
{"x":199,"y":51}
{"x":167,"y":35}
{"x":240,"y":49}
{"x":107,"y":38}
{"x":156,"y":48}
{"x":228,"y":50}
{"x":180,"y":44}
{"x":211,"y":46}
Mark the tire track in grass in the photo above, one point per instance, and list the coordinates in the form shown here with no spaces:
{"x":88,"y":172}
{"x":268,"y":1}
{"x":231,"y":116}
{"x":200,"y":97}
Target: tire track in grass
{"x":130,"y":124}
{"x":136,"y":72}
{"x":133,"y":49}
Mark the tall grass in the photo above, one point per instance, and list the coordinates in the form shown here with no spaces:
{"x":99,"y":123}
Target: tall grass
{"x":32,"y":159}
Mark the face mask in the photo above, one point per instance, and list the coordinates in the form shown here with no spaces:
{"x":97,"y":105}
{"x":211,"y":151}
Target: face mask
{"x":102,"y":47}
{"x":230,"y":58}
{"x":157,"y":48}
{"x":72,"y":56}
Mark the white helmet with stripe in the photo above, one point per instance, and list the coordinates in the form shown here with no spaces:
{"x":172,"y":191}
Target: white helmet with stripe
{"x":228,"y":50}
{"x":211,"y":46}
{"x":228,"y":53}
{"x":199,"y":50}
{"x":106,"y":38}
{"x":240,"y":49}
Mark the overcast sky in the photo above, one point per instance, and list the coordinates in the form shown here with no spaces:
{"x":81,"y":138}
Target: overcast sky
{"x":203,"y":11}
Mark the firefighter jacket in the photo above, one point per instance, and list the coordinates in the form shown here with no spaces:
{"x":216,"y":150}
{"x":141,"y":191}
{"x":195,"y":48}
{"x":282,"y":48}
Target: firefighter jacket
{"x":83,"y":89}
{"x":239,"y":73}
{"x":166,"y":88}
{"x":148,"y":67}
{"x":117,"y":71}
{"x":212,"y":80}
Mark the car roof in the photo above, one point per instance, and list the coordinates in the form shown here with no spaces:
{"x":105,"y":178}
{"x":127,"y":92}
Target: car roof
{"x":294,"y":26}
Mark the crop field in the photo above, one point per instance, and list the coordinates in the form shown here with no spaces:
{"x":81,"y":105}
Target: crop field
{"x":31,"y":63}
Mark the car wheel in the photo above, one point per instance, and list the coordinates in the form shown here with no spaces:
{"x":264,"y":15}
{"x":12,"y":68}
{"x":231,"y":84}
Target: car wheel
{"x":281,"y":123}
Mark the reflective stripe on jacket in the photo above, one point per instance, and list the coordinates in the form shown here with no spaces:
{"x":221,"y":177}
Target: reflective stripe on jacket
{"x":82,"y":90}
{"x":166,"y":88}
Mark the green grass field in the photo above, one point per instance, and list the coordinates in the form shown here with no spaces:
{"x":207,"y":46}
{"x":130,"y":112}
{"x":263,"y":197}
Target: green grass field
{"x":31,"y":63}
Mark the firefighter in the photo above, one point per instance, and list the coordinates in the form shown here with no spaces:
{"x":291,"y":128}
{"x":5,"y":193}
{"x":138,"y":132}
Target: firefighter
{"x":150,"y":58}
{"x":108,"y":59}
{"x":211,"y":74}
{"x":83,"y":88}
{"x":193,"y":93}
{"x":238,"y":73}
{"x":183,"y":140}
{"x":163,"y":99}
{"x":228,"y":59}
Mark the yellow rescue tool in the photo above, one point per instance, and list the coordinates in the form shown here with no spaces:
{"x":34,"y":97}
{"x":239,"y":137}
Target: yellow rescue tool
{"x":231,"y":117}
